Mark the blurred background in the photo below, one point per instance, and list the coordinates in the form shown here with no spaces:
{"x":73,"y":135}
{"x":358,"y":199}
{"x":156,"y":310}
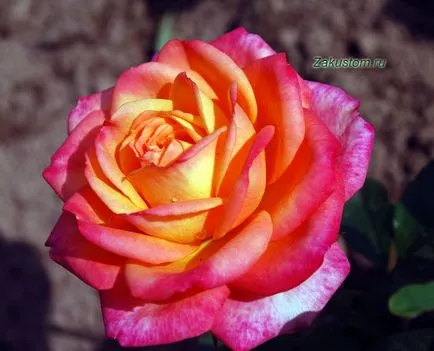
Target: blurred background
{"x":52,"y":51}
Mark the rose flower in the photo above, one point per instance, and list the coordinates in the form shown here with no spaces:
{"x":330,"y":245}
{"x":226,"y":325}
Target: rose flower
{"x":204,"y":192}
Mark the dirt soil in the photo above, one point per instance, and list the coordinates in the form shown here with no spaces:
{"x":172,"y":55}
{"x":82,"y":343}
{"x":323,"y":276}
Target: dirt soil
{"x":52,"y":51}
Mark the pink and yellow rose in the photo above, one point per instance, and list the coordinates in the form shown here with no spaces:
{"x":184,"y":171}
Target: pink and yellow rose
{"x":204,"y":192}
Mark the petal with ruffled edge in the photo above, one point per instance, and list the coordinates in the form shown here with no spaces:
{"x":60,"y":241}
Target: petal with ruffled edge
{"x":135,"y":322}
{"x":289,"y":261}
{"x":340,"y":113}
{"x":88,"y":262}
{"x":190,"y":177}
{"x":88,"y":104}
{"x":307,"y":183}
{"x":181,"y":221}
{"x":216,"y":263}
{"x":65,"y":172}
{"x":243,"y":47}
{"x":214,"y":66}
{"x":243,"y":325}
{"x":277,"y":91}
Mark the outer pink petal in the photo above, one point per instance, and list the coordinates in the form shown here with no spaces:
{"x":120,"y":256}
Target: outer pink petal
{"x":134,"y":245}
{"x":243,"y":47}
{"x":66,"y":171}
{"x":88,"y":262}
{"x":289,"y":261}
{"x":340,"y":113}
{"x":135,"y":322}
{"x":243,"y":325}
{"x":88,"y":104}
{"x":307,"y":183}
{"x":217,"y":263}
{"x":279,"y":104}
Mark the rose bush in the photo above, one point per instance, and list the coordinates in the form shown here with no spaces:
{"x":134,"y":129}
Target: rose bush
{"x":204,"y":192}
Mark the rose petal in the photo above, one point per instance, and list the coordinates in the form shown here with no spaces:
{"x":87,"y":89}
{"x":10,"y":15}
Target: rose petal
{"x":106,"y":145}
{"x":243,"y":47}
{"x":101,"y":185}
{"x":117,"y":139}
{"x":181,"y":222}
{"x":187,"y":97}
{"x":129,"y":114}
{"x":191,"y":124}
{"x":174,"y":150}
{"x":218,"y":262}
{"x":184,"y":95}
{"x":289,"y":261}
{"x":151,"y":80}
{"x":190,"y":177}
{"x":249,"y":189}
{"x":279,"y":104}
{"x":340,"y":113}
{"x":214,"y":66}
{"x":236,"y":148}
{"x":65,"y":173}
{"x":307,"y":183}
{"x":88,"y":262}
{"x":87,"y":105}
{"x":128,"y":160}
{"x":135,"y":322}
{"x":306,"y":96}
{"x":243,"y":325}
{"x":87,"y":206}
{"x":134,"y":245}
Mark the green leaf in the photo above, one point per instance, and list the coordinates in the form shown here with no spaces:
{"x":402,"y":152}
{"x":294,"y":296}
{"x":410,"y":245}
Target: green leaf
{"x":370,"y":213}
{"x":412,"y":300}
{"x":411,"y":238}
{"x":419,"y":197}
{"x":406,"y":229}
{"x":164,"y":31}
{"x":416,"y":340}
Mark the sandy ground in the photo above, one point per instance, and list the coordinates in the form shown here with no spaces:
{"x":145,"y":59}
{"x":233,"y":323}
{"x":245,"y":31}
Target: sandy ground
{"x":52,"y":51}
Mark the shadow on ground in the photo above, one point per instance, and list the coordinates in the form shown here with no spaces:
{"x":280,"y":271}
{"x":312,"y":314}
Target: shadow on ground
{"x":24,"y":295}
